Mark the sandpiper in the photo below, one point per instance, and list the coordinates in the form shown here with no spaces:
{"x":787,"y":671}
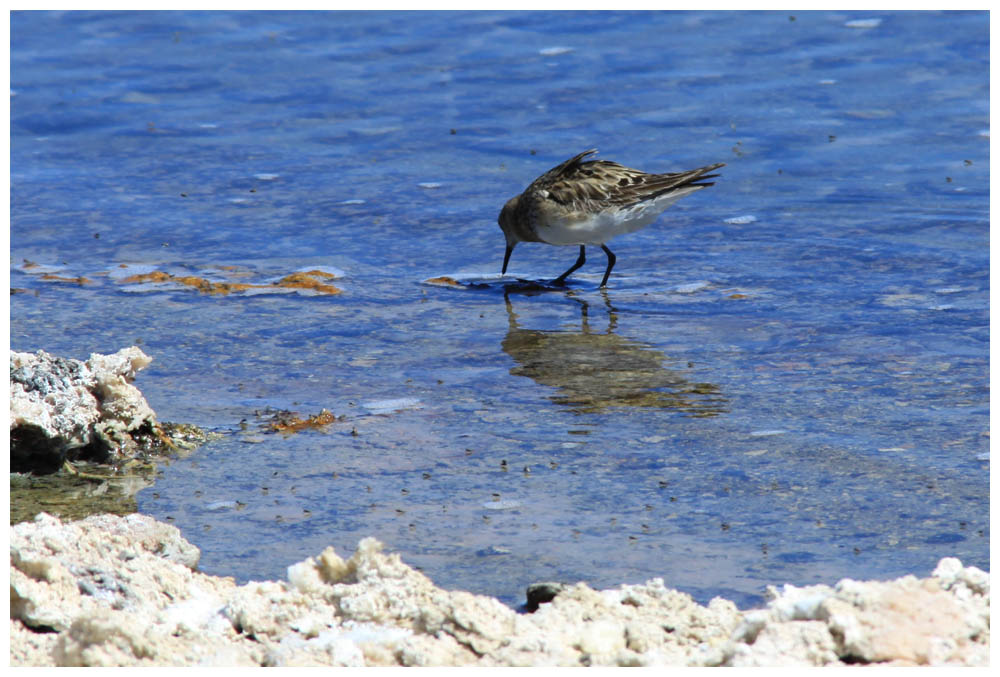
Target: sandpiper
{"x":581,"y":203}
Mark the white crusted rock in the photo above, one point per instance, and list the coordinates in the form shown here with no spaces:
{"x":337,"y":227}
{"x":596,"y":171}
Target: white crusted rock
{"x":803,"y":644}
{"x":113,"y":591}
{"x":119,"y":591}
{"x":907,"y":621}
{"x":63,"y":409}
{"x":943,"y":620}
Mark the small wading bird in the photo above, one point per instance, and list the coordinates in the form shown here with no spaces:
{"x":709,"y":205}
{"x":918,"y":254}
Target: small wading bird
{"x":590,"y":202}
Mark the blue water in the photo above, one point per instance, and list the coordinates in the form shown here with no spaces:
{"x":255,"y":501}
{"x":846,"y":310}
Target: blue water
{"x":793,"y":397}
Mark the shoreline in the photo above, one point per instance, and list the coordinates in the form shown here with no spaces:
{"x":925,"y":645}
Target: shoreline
{"x":125,"y":591}
{"x":110,"y":590}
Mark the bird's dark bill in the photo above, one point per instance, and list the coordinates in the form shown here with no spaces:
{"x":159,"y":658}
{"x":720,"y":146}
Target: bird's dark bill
{"x":506,"y":259}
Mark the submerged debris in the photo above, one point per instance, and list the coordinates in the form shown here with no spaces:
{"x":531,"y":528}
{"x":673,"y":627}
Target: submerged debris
{"x":80,"y":489}
{"x":289,"y":422}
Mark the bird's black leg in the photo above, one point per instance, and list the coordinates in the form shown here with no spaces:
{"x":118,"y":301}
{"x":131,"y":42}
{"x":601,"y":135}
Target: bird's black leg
{"x":579,"y":262}
{"x":611,"y":264}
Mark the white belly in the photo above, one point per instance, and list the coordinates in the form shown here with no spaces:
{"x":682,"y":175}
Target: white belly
{"x":598,"y":228}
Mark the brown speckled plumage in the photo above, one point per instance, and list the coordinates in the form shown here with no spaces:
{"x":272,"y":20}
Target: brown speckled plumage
{"x":588,"y":202}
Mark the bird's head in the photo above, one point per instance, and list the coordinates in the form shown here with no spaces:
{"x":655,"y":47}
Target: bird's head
{"x":507,"y":222}
{"x":509,"y":228}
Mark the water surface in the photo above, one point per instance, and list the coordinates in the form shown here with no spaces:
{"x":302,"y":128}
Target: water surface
{"x":785,"y":380}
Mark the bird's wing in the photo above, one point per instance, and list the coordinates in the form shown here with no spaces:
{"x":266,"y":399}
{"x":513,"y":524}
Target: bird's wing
{"x":561,"y":172}
{"x":595,"y":185}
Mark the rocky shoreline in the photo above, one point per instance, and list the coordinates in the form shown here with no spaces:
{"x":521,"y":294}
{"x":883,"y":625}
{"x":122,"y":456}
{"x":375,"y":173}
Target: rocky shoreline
{"x":125,"y":591}
{"x":83,"y":439}
{"x":64,"y":410}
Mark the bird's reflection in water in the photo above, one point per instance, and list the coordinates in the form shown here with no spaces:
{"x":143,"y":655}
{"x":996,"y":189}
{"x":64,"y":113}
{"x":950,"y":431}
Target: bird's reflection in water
{"x":594,"y":372}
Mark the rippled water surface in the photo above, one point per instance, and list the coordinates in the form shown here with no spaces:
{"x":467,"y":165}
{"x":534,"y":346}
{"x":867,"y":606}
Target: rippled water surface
{"x":786,"y":379}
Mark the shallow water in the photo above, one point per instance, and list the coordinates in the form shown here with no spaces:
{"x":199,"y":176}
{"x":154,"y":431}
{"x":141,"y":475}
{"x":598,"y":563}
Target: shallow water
{"x":785,"y":380}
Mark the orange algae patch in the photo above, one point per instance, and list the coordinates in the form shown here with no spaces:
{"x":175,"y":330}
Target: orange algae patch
{"x":209,"y":287}
{"x":316,"y":273}
{"x":309,"y":281}
{"x":155,"y":276}
{"x":445,"y":281}
{"x":199,"y":283}
{"x":59,"y":278}
{"x":294,"y":281}
{"x":288,"y":422}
